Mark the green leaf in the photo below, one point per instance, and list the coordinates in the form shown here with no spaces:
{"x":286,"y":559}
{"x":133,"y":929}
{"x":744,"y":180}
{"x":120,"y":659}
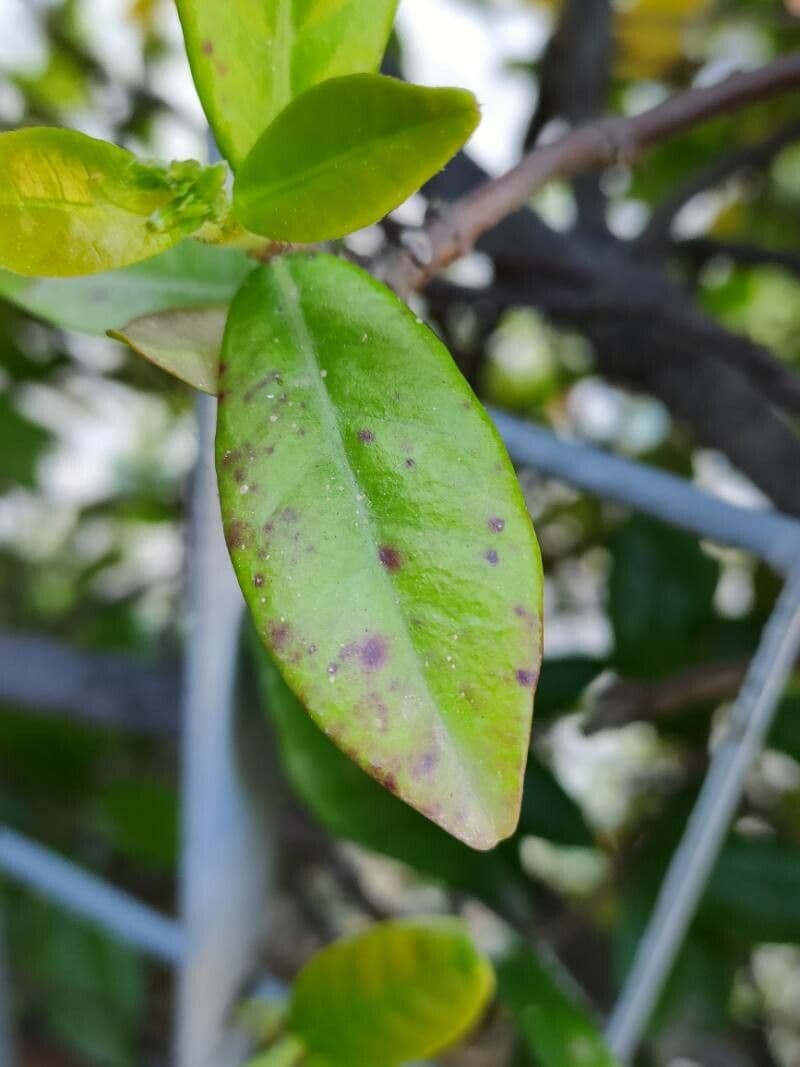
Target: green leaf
{"x":185,"y":343}
{"x":401,"y":991}
{"x":550,"y":1012}
{"x":70,"y":204}
{"x":21,"y":444}
{"x":190,"y":275}
{"x":548,"y":811}
{"x":285,"y":1054}
{"x":661,"y":597}
{"x":347,"y":152}
{"x":351,"y":805}
{"x":381,"y":539}
{"x":250,"y":63}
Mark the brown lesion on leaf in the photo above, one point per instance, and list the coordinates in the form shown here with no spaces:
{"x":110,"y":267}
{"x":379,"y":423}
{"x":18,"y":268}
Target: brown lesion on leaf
{"x":239,"y":535}
{"x":208,"y":48}
{"x":258,"y":580}
{"x":390,"y":558}
{"x":366,"y":436}
{"x":278,"y":635}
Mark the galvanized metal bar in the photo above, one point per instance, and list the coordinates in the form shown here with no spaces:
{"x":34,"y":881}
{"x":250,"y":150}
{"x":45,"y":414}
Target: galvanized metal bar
{"x":225,"y":860}
{"x":773,"y":537}
{"x":709,"y":822}
{"x":84,"y":894}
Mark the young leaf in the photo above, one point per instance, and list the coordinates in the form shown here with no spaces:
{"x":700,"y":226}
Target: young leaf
{"x":347,"y":152}
{"x":550,"y":1012}
{"x":381,"y":539}
{"x":192,"y":274}
{"x":70,"y":204}
{"x":185,"y":342}
{"x":351,"y":805}
{"x":248,"y":65}
{"x":401,"y":991}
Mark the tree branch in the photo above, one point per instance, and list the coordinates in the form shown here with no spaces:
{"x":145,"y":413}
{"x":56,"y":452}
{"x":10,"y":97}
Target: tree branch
{"x":701,"y":249}
{"x":449,"y":235}
{"x":752,"y":157}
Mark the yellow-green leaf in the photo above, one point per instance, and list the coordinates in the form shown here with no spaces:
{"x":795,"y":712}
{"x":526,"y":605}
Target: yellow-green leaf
{"x":347,"y":152}
{"x":70,"y":204}
{"x":401,"y":991}
{"x":249,"y":61}
{"x":381,"y":539}
{"x":185,"y":342}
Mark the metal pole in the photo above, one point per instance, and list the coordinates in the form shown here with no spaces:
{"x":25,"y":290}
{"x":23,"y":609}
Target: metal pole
{"x":773,"y":537}
{"x":84,"y":894}
{"x":692,"y":863}
{"x":225,"y":861}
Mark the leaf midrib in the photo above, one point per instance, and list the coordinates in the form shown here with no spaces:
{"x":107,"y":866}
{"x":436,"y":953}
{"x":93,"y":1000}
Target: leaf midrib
{"x":305,"y":342}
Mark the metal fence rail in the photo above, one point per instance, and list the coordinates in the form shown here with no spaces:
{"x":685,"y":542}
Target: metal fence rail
{"x":226,"y":862}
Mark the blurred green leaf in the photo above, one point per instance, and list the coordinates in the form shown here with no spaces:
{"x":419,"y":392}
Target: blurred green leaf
{"x":548,"y":811}
{"x":660,"y":597}
{"x":248,"y":65}
{"x":401,"y":991}
{"x":377,"y":135}
{"x":190,"y":275}
{"x":381,"y":540}
{"x":75,"y":205}
{"x":550,"y":1012}
{"x":141,"y":820}
{"x":21,"y":446}
{"x":184,"y":342}
{"x":563,"y":681}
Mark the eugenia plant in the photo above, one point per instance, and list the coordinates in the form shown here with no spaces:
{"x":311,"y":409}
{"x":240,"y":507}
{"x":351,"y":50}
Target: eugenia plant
{"x":373,"y":517}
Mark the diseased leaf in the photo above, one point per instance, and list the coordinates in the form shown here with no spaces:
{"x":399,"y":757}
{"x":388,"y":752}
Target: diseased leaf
{"x":250,"y":63}
{"x":70,"y":204}
{"x":351,"y":805}
{"x":381,"y":539}
{"x":185,"y":342}
{"x":550,"y":1012}
{"x":401,"y":991}
{"x":347,"y":152}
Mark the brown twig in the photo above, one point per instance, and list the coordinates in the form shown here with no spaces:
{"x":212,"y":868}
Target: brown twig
{"x":449,"y":235}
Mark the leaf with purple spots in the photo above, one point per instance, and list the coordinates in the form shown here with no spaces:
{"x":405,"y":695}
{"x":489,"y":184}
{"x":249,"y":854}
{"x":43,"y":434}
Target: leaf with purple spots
{"x":423,"y":669}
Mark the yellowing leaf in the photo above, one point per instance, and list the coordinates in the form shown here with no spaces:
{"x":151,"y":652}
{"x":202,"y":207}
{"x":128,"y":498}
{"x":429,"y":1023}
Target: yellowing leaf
{"x":401,"y":991}
{"x":70,"y":204}
{"x":347,"y":152}
{"x":250,"y":59}
{"x":380,"y":536}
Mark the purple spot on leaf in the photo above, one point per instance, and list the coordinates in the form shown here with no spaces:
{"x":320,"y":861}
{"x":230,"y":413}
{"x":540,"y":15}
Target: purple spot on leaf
{"x":390,"y":558}
{"x":526,"y":678}
{"x":258,"y":580}
{"x":366,"y":437}
{"x":491,"y":556}
{"x":496,"y":525}
{"x":374,"y":652}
